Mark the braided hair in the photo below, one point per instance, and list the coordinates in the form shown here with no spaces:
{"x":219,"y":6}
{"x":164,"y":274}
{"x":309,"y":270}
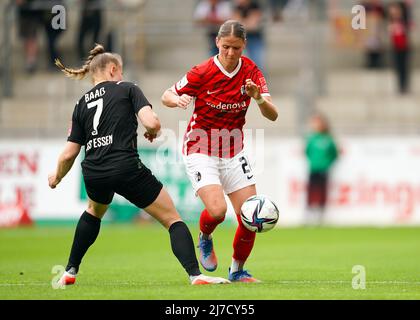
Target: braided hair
{"x":97,"y":60}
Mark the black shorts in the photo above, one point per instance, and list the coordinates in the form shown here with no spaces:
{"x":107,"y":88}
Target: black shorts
{"x":317,"y":189}
{"x":139,"y":186}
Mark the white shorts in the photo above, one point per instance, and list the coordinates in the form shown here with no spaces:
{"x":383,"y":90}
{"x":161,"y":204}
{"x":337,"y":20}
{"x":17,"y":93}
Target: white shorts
{"x":231,"y":173}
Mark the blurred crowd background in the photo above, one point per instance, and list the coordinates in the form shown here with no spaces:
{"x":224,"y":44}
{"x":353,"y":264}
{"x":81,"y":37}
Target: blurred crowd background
{"x":308,"y":50}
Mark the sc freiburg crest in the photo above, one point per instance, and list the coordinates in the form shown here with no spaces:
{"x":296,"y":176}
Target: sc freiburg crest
{"x":197,"y":176}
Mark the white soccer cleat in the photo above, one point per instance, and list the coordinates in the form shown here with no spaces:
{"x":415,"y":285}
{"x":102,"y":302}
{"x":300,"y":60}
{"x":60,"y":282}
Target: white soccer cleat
{"x":67,"y":279}
{"x":203,"y":279}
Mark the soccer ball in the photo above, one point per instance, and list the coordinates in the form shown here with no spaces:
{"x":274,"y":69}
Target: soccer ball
{"x":259,"y":213}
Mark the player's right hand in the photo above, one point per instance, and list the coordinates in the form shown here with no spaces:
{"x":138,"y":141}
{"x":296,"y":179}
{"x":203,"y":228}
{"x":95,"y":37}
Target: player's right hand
{"x":184,"y":101}
{"x":151,"y":136}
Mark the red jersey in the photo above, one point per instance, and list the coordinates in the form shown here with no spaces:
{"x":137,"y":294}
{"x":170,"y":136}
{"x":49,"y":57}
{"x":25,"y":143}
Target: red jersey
{"x":220,"y":104}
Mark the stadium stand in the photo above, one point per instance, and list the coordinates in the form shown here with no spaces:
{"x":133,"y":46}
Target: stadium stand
{"x":159,"y":42}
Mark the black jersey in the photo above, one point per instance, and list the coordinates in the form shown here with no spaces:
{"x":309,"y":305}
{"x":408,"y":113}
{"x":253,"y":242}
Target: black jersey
{"x":104,"y":121}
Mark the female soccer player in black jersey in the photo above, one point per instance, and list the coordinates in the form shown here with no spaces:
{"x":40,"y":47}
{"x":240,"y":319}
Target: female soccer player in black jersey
{"x":105,"y":122}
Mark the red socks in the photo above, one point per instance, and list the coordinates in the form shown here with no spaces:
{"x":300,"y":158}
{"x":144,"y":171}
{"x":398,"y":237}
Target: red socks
{"x":243,"y":242}
{"x":208,"y":223}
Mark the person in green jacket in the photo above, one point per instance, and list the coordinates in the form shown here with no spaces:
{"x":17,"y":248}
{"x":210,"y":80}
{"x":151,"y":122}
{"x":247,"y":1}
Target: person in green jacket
{"x":321,"y":153}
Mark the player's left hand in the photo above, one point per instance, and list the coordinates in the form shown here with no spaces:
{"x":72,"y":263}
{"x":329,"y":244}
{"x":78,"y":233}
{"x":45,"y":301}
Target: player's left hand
{"x":53,"y":181}
{"x":252,"y":89}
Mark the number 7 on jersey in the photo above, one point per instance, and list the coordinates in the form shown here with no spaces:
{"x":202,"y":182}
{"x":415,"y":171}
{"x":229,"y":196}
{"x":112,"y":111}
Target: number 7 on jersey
{"x":99,"y":104}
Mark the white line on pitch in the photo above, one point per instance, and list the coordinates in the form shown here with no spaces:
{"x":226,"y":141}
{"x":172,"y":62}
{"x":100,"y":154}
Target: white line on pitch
{"x":390,"y":282}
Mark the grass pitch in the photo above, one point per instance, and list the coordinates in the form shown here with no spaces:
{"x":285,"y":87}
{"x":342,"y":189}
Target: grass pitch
{"x":136,"y":262}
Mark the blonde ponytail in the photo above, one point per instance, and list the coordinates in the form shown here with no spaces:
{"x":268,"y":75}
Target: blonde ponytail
{"x":97,"y":59}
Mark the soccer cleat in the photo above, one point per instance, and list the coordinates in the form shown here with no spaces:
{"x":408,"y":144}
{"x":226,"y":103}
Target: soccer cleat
{"x":67,"y":279}
{"x":242,"y":276}
{"x":203,"y":279}
{"x":207,"y":257}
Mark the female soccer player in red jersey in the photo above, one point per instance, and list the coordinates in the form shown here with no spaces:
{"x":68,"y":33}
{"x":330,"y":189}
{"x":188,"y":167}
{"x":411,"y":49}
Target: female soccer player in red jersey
{"x":221,"y":89}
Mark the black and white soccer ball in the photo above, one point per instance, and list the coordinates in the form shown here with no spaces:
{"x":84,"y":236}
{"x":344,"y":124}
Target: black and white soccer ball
{"x":259,"y":213}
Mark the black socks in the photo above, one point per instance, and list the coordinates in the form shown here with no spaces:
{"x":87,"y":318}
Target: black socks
{"x":86,"y":232}
{"x":183,"y":247}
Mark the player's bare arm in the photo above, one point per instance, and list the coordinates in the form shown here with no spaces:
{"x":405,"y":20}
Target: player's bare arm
{"x":150,"y":121}
{"x":172,"y":100}
{"x":268,"y":109}
{"x":65,"y":162}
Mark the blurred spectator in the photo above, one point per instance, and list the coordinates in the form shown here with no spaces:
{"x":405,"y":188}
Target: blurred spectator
{"x":29,"y":19}
{"x":375,"y":31}
{"x":52,"y":34}
{"x":32,"y":15}
{"x":406,"y":6}
{"x":321,"y":152}
{"x":399,"y":24}
{"x":211,"y":14}
{"x":276,"y":8}
{"x":250,"y":14}
{"x":90,"y":24}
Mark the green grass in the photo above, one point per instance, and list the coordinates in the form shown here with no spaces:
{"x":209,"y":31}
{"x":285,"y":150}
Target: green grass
{"x":136,"y":262}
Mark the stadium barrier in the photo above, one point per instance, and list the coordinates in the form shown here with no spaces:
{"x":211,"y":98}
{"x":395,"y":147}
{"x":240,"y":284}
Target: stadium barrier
{"x":375,"y":182}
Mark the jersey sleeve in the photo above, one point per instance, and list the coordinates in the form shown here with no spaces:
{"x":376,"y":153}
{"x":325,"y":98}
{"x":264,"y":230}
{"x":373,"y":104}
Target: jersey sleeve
{"x":76,"y":132}
{"x":259,"y":79}
{"x":189,"y":84}
{"x":137,"y":98}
